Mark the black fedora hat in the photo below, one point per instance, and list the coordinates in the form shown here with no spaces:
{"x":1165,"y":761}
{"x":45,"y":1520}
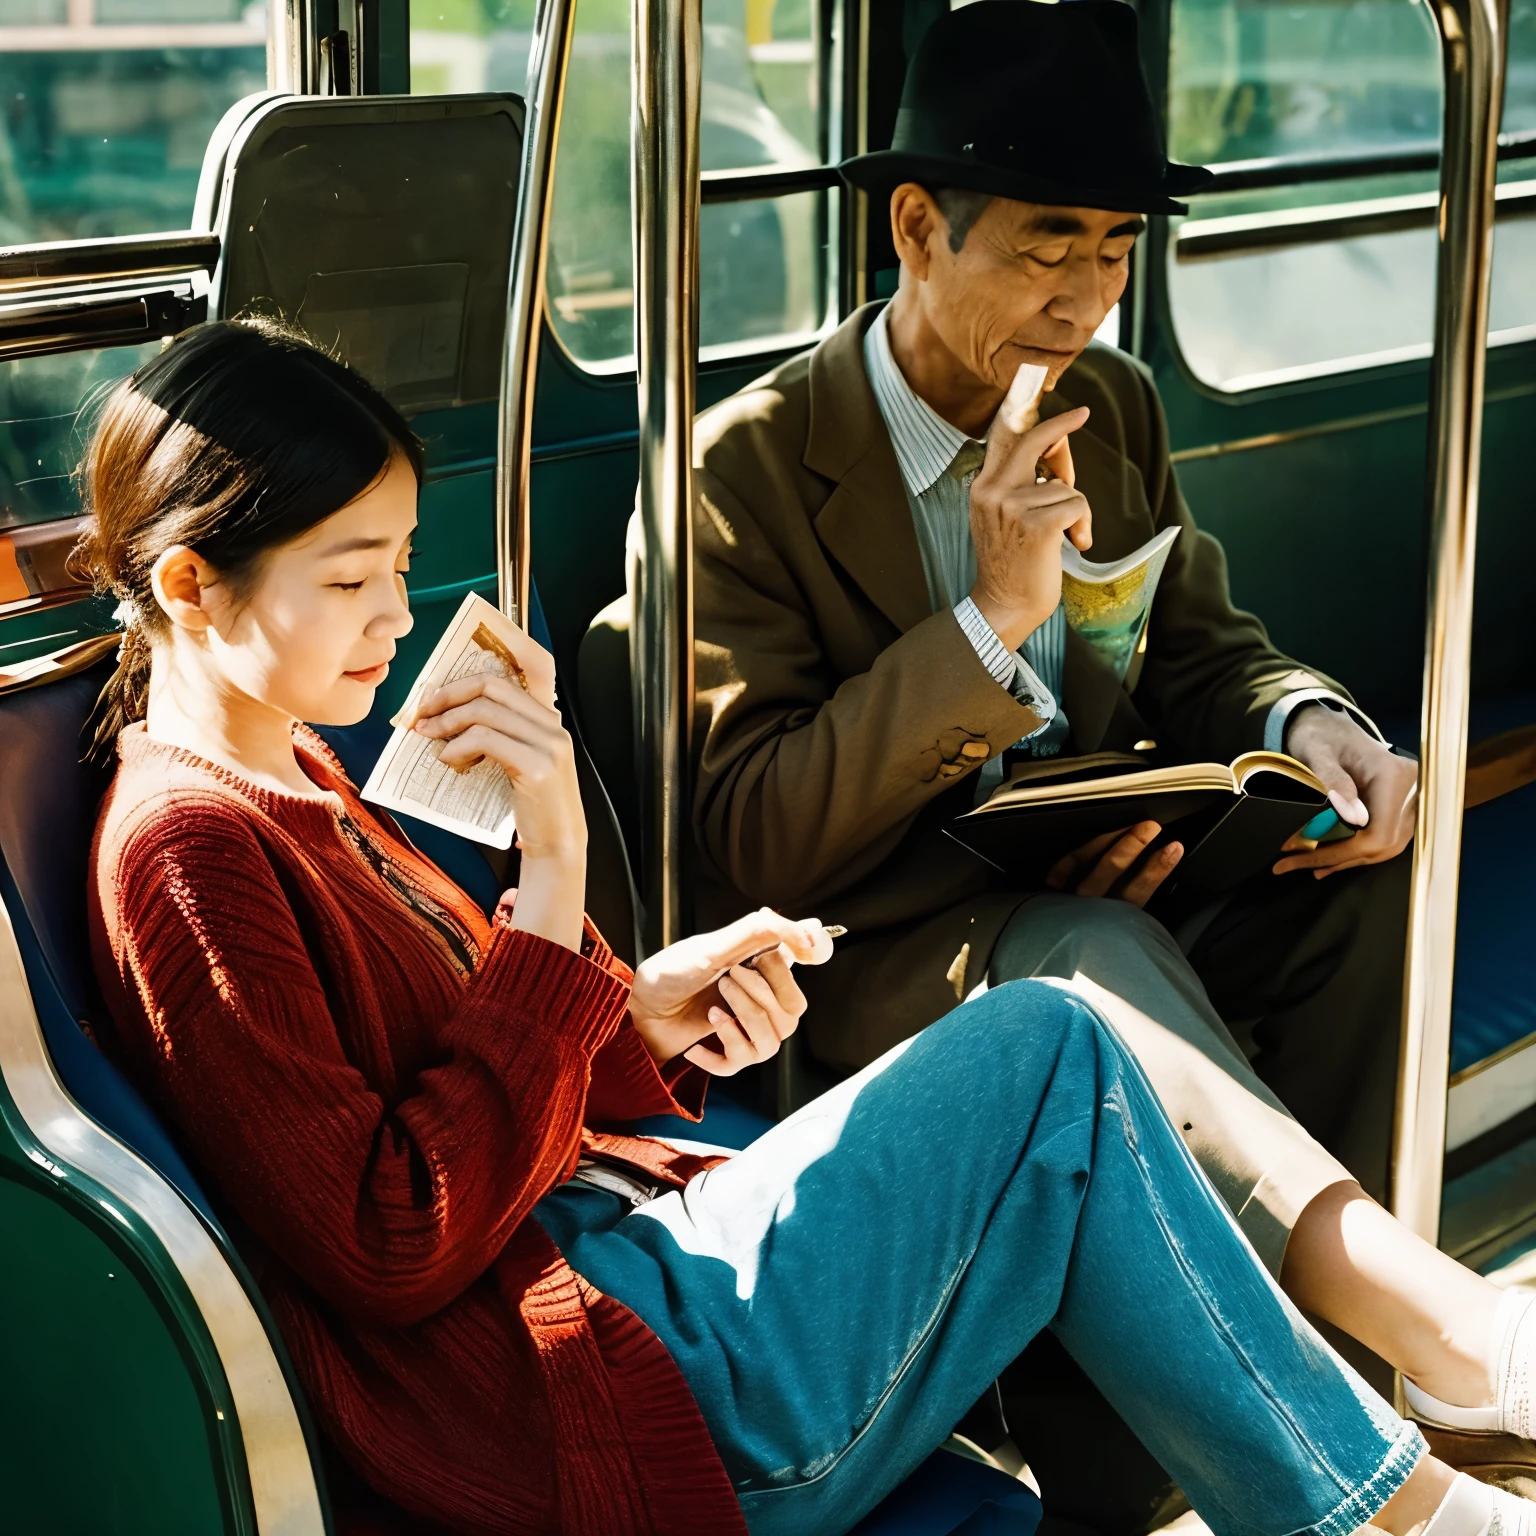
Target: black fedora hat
{"x":1039,"y":102}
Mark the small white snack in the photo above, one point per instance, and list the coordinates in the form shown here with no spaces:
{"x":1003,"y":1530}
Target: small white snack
{"x":475,"y":803}
{"x":1020,"y":409}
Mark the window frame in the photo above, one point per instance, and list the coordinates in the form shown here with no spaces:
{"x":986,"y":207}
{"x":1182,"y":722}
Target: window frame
{"x":845,"y":78}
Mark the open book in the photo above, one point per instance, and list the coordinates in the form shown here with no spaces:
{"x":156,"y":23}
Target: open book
{"x":477,"y":802}
{"x":1108,"y":604}
{"x":1231,"y":818}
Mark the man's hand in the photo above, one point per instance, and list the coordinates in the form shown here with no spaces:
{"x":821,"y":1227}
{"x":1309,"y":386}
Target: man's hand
{"x":1017,"y":524}
{"x":1369,"y":785}
{"x":700,"y":987}
{"x":1098,"y":867}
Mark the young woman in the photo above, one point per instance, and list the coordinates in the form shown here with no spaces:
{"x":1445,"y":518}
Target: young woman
{"x":393,"y":1096}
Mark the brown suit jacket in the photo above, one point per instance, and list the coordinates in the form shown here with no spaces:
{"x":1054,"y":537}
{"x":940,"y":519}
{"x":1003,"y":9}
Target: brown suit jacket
{"x":833,"y":704}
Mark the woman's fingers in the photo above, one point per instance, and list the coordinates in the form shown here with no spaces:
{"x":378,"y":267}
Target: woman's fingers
{"x":806,"y":940}
{"x":776,"y":971}
{"x":517,"y":712}
{"x":751,"y":1000}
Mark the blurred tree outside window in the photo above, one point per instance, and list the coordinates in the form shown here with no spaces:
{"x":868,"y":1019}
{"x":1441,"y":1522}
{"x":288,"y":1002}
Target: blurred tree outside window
{"x":762,"y":263}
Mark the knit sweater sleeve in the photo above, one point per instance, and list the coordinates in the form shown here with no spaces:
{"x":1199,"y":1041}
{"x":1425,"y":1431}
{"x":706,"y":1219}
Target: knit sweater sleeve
{"x":390,"y":1208}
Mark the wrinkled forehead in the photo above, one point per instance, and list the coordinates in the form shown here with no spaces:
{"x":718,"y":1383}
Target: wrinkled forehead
{"x":1037,"y":220}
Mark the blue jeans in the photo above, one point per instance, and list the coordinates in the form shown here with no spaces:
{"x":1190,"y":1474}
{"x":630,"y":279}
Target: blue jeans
{"x":841,"y":1292}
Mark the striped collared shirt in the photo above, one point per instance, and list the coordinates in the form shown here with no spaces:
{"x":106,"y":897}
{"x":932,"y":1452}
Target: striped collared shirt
{"x":938,"y":463}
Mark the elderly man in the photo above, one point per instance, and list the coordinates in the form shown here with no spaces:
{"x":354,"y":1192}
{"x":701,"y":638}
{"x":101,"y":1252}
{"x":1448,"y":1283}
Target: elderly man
{"x":878,"y":584}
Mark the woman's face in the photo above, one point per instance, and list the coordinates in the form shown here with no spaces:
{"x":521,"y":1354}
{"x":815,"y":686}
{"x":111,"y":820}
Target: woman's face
{"x":316,"y":636}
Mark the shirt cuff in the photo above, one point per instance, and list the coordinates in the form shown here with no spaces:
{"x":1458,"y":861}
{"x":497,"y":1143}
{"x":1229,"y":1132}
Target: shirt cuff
{"x":1009,"y":670}
{"x":1278,"y":724}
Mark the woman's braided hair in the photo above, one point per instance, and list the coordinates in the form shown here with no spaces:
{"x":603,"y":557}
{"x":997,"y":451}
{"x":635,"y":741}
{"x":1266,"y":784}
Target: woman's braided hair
{"x":239,"y":437}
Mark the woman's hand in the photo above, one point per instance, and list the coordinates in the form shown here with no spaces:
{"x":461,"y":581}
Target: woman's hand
{"x":484,"y":716}
{"x":700,"y":987}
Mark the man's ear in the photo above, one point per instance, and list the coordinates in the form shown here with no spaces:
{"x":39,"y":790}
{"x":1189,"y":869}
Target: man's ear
{"x":915,"y":221}
{"x":178,"y":581}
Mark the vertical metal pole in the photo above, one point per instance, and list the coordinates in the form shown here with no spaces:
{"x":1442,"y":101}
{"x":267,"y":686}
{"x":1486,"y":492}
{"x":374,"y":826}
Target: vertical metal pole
{"x":1472,"y":40}
{"x":547,"y":62}
{"x":665,"y":127}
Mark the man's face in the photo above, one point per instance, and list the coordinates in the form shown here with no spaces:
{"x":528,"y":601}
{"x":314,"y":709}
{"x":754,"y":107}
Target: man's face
{"x":1030,"y":284}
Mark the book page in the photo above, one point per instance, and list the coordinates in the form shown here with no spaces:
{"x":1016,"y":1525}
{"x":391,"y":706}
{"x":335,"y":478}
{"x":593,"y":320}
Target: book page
{"x":1108,"y":604}
{"x":475,"y":803}
{"x":1171,"y":780}
{"x":1253,"y":763}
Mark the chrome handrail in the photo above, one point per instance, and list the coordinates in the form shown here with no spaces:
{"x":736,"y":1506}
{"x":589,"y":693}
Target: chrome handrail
{"x":1472,"y":38}
{"x":666,"y":45}
{"x":547,"y":62}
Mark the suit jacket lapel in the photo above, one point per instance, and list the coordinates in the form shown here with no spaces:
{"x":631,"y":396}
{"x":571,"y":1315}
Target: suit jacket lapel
{"x":866,"y":524}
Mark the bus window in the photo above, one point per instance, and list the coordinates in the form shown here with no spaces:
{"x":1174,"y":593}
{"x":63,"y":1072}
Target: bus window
{"x":1275,"y":282}
{"x":106,"y":107}
{"x":764,"y":274}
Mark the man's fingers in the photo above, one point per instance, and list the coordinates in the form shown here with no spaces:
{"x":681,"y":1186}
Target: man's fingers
{"x":1065,"y":870}
{"x":1345,"y":799}
{"x":1363,"y":848}
{"x":1142,"y":886}
{"x":1118,"y":859}
{"x":1017,"y":454}
{"x":1059,"y":462}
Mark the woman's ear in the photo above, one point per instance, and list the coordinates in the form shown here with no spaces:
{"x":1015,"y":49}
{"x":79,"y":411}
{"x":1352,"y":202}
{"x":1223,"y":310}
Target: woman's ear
{"x":178,"y":580}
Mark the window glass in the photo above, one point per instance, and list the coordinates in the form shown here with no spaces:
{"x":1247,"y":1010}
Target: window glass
{"x":106,"y":107}
{"x":1267,"y":316}
{"x":1251,"y":79}
{"x":762,"y":264}
{"x":1254,"y":79}
{"x":44,"y":412}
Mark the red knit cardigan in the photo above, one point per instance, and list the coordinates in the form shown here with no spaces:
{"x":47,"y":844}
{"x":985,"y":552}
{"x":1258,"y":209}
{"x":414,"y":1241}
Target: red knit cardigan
{"x":380,"y":1085}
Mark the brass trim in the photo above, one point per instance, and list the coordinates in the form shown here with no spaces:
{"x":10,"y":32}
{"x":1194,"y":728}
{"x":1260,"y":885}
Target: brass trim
{"x":664,"y":131}
{"x":1518,"y":1048}
{"x":1472,"y":36}
{"x":282,"y":1480}
{"x":547,"y":64}
{"x":1324,"y":428}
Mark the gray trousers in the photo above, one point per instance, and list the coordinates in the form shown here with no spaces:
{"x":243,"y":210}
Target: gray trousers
{"x":1263,"y":1164}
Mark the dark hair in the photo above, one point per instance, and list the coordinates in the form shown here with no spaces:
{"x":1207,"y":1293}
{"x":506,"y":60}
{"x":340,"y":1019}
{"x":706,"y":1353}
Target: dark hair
{"x":961,"y":208}
{"x":240,"y":436}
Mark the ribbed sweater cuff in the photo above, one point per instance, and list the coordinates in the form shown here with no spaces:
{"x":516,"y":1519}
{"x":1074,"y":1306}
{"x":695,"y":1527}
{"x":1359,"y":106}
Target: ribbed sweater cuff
{"x":547,"y":984}
{"x":627,"y":1083}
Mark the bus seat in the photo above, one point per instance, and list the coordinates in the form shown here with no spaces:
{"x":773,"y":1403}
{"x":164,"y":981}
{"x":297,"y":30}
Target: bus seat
{"x":1495,"y":996}
{"x":47,"y":817}
{"x":381,"y":225}
{"x":604,"y":709}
